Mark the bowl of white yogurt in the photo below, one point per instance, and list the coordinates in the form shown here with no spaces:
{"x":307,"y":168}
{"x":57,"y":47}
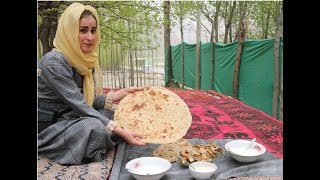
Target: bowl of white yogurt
{"x":242,"y":151}
{"x":148,"y":168}
{"x":202,"y":169}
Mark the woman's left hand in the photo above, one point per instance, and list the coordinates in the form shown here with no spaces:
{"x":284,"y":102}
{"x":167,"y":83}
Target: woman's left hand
{"x":130,"y":137}
{"x":117,"y":95}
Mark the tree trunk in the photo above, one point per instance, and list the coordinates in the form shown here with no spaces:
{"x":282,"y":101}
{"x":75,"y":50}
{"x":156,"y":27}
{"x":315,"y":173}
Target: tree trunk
{"x":107,"y":70}
{"x":152,"y":67}
{"x":140,"y":73}
{"x":123,"y":69}
{"x":230,"y":34}
{"x":281,"y":95}
{"x":216,"y":21}
{"x":182,"y":47}
{"x":267,"y":25}
{"x":39,"y":49}
{"x":198,"y":51}
{"x":114,"y":66}
{"x":48,"y":27}
{"x":53,"y":28}
{"x":237,"y":62}
{"x":166,"y":24}
{"x":227,"y":26}
{"x":131,"y":77}
{"x":212,"y":60}
{"x":118,"y":65}
{"x":44,"y":33}
{"x":276,"y":66}
{"x":111,"y":65}
{"x":131,"y":68}
{"x":144,"y":72}
{"x":148,"y":65}
{"x":137,"y":70}
{"x":243,"y":9}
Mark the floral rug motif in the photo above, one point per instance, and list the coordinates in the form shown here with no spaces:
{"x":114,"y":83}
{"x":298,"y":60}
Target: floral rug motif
{"x":216,"y":116}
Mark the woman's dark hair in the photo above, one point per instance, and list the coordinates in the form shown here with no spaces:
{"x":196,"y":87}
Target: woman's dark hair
{"x":87,"y":13}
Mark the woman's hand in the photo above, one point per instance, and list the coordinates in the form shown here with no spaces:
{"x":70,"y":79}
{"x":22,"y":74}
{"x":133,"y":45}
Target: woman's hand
{"x":117,"y":95}
{"x":130,"y":137}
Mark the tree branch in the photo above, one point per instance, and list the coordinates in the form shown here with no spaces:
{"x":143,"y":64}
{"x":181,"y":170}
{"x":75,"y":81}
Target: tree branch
{"x":205,"y":28}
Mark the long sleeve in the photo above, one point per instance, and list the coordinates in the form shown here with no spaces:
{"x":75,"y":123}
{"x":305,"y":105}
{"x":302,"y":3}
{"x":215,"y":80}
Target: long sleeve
{"x":99,"y":101}
{"x":57,"y":74}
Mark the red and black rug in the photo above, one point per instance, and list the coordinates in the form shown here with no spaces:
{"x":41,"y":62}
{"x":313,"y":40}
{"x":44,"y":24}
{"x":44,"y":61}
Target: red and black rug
{"x":216,"y":116}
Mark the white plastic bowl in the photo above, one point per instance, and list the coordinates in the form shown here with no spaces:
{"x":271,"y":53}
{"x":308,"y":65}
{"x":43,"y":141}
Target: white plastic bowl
{"x":237,"y":149}
{"x":156,"y":168}
{"x":202,"y":169}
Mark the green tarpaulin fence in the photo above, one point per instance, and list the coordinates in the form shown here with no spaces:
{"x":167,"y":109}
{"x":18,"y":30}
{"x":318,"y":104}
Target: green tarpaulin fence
{"x":256,"y":74}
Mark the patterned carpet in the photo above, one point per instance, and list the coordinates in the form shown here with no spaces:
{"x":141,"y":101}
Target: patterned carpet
{"x":47,"y":170}
{"x":214,"y":116}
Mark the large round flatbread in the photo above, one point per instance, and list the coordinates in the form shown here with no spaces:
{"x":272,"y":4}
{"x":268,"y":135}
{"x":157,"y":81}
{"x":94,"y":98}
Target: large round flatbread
{"x":157,"y":113}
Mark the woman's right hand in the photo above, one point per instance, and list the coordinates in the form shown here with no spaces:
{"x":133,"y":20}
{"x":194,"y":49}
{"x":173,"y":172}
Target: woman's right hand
{"x":118,"y":95}
{"x":130,"y":137}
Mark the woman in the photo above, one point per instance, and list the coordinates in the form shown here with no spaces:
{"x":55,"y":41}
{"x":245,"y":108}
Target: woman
{"x":73,"y":115}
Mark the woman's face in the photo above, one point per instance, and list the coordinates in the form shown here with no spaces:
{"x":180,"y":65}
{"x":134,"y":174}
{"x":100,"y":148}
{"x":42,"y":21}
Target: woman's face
{"x":87,"y":33}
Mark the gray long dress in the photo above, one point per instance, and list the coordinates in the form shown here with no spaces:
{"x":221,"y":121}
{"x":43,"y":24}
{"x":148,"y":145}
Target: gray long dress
{"x":69,"y":131}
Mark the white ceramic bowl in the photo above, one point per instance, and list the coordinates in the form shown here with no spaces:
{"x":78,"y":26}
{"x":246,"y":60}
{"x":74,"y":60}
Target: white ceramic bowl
{"x":155,"y":166}
{"x":237,"y":149}
{"x":202,"y":169}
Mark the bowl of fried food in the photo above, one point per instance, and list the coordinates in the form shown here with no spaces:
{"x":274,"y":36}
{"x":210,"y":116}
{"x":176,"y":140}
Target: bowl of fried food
{"x":199,"y":152}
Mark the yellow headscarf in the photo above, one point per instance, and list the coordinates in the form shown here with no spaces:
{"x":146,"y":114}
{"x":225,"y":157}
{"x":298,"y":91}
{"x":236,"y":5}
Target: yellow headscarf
{"x":67,"y":42}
